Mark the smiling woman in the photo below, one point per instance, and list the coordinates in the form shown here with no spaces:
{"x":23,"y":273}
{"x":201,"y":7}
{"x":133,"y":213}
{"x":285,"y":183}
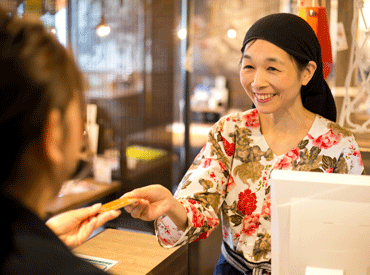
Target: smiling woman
{"x":291,"y":128}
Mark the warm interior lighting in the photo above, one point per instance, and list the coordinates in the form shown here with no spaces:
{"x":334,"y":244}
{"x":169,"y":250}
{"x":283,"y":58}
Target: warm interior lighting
{"x":181,"y":33}
{"x":231,"y":33}
{"x":102,"y":29}
{"x":52,"y":30}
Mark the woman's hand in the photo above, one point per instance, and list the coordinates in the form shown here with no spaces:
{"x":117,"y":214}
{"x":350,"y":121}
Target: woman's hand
{"x":75,"y":226}
{"x":155,"y":201}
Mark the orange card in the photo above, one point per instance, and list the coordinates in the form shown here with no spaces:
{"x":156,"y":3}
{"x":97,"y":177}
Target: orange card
{"x":117,"y":204}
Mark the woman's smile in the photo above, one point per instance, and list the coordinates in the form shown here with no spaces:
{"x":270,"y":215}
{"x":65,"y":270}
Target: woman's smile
{"x":262,"y":98}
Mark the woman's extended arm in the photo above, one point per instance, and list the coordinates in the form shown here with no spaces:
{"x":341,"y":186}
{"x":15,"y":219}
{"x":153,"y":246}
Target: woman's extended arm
{"x":192,"y":213}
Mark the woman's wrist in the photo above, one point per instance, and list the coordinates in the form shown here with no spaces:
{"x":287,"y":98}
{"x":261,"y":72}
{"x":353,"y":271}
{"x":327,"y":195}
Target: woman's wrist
{"x":177,"y":214}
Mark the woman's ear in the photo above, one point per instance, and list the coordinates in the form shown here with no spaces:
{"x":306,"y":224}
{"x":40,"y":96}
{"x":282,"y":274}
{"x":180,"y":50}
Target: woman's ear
{"x":308,"y":72}
{"x":53,"y":137}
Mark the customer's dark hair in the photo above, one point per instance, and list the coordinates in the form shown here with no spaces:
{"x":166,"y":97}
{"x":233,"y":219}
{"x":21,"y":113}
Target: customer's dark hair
{"x":38,"y":74}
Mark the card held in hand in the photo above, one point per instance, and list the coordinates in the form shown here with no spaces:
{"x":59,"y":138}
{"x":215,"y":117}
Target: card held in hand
{"x":117,"y":204}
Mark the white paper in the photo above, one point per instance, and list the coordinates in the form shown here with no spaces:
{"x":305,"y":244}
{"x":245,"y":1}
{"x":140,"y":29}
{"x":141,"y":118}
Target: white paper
{"x":103,"y":264}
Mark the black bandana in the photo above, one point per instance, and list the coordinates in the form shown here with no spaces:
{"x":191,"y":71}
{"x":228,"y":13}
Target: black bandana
{"x":295,"y":36}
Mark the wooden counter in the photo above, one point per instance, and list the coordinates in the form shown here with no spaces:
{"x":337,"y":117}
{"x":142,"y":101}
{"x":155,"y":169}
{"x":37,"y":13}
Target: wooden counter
{"x":137,"y":253}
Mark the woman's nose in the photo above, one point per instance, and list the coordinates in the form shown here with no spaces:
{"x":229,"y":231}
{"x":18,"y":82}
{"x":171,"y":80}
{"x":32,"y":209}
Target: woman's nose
{"x":259,"y":79}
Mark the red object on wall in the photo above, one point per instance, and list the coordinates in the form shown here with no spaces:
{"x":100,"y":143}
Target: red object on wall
{"x":317,"y":18}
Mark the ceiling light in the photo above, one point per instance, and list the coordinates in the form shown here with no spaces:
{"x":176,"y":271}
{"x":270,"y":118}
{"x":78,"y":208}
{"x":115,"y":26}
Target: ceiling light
{"x":102,"y":29}
{"x":182,"y":33}
{"x":231,"y":33}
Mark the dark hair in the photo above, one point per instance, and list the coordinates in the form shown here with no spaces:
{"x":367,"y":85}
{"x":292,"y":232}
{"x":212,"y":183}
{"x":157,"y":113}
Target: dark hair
{"x":301,"y":63}
{"x":38,"y":75}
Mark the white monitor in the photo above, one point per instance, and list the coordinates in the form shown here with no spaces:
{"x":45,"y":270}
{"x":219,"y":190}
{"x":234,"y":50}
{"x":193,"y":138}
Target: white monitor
{"x":320,"y":223}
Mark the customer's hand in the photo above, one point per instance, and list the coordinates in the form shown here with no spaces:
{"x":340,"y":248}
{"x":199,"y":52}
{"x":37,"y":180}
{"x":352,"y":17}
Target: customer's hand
{"x":155,"y":201}
{"x":75,"y":226}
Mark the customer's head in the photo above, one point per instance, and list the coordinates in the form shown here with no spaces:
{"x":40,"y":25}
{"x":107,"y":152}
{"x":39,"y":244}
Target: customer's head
{"x":297,"y":39}
{"x":41,"y":106}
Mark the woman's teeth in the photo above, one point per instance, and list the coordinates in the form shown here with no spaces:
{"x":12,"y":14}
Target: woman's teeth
{"x":264,"y":96}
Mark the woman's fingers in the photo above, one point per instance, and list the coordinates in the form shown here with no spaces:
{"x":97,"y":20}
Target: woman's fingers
{"x":150,"y":193}
{"x":139,"y":210}
{"x":130,"y":207}
{"x":153,"y":202}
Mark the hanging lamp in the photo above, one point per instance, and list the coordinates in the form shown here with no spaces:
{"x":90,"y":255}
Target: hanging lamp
{"x":102,"y":29}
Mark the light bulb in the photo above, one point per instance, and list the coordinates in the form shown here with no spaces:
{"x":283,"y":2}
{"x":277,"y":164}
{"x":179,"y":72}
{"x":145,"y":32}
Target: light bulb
{"x":182,"y":33}
{"x":102,"y":30}
{"x":231,"y":33}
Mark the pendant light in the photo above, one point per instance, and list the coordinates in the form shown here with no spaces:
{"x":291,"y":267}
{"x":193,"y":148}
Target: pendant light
{"x":102,"y":29}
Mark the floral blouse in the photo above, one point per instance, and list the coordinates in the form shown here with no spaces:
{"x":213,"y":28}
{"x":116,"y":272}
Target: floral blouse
{"x":230,"y":179}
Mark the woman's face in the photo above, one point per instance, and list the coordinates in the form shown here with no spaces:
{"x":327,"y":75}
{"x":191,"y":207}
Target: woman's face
{"x":73,"y":137}
{"x":270,"y":77}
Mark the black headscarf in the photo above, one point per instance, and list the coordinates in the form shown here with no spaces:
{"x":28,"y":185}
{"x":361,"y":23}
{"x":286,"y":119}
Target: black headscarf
{"x":295,"y":36}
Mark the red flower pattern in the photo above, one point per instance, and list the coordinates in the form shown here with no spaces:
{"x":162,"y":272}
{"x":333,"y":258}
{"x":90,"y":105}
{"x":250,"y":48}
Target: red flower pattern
{"x":359,"y":156}
{"x":284,"y":163}
{"x":212,"y":222}
{"x":230,"y":184}
{"x":197,"y":218}
{"x":287,"y":161}
{"x":247,"y":202}
{"x":251,"y":224}
{"x":207,"y":163}
{"x":325,"y":141}
{"x":203,"y":236}
{"x":229,"y":147}
{"x":193,"y":202}
{"x":252,"y":119}
{"x":222,"y":166}
{"x":164,"y":240}
{"x":266,"y":207}
{"x":293,"y":154}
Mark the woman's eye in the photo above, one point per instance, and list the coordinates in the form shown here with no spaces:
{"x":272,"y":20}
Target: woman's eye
{"x":248,"y":67}
{"x":272,"y":69}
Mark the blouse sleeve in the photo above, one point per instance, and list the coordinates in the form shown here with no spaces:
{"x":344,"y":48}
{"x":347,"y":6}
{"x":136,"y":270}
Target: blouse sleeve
{"x":202,"y":190}
{"x":350,"y":160}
